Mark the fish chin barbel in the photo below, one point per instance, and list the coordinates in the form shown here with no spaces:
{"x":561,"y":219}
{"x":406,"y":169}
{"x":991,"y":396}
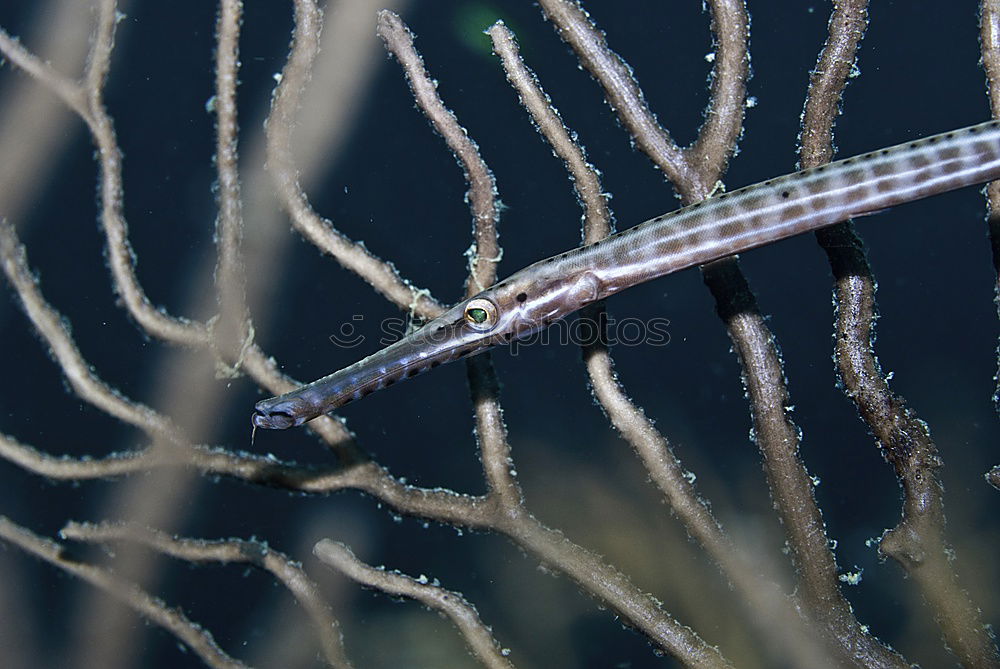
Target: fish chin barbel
{"x":551,"y":289}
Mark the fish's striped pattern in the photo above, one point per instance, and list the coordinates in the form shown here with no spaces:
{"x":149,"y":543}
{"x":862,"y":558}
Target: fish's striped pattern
{"x":536,"y":296}
{"x":763,"y":213}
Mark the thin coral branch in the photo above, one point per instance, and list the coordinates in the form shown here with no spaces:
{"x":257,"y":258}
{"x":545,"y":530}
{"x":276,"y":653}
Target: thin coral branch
{"x":442,"y":505}
{"x":693,"y":172}
{"x":482,"y":186}
{"x":66,"y":89}
{"x":491,"y":437}
{"x":52,"y":328}
{"x":847,"y":26}
{"x":86,"y":101}
{"x":67,"y":468}
{"x":918,"y":543}
{"x":381,"y":275}
{"x":229,"y":551}
{"x":121,"y":258}
{"x":453,"y":605}
{"x":596,"y":216}
{"x":151,"y":608}
{"x":614,"y":590}
{"x":727,"y":100}
{"x":622,"y":92}
{"x":233,"y":330}
{"x":99,"y":59}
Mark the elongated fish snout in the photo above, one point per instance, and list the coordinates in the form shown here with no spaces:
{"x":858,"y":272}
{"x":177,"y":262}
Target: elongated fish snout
{"x":279,"y":413}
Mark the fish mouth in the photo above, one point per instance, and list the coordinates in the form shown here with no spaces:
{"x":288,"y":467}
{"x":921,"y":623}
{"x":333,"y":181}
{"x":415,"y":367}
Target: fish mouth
{"x":281,"y":413}
{"x":272,"y":420}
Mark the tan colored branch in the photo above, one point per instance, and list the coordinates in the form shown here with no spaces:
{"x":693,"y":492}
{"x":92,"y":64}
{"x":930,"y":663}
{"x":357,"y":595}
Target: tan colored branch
{"x":596,"y":214}
{"x":452,"y":605}
{"x":903,"y":437}
{"x":51,"y":326}
{"x":151,"y":608}
{"x":482,"y":186}
{"x":723,"y":125}
{"x":232,"y":330}
{"x":622,"y":92}
{"x":815,"y":563}
{"x":229,"y":551}
{"x":85,"y":98}
{"x":295,"y":76}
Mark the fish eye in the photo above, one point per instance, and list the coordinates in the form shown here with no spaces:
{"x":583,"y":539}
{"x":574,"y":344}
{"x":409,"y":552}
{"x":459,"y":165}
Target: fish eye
{"x":481,"y":314}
